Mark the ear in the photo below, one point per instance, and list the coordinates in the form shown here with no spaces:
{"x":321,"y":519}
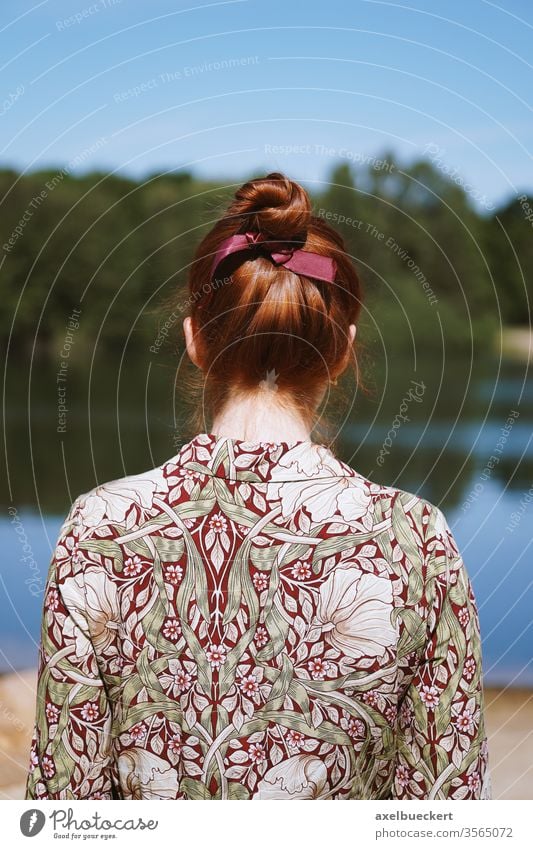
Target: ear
{"x":351,"y":336}
{"x":192,"y":342}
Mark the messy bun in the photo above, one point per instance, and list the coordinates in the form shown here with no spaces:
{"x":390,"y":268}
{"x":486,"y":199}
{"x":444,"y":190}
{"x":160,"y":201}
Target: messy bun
{"x":258,"y":321}
{"x":273,"y":205}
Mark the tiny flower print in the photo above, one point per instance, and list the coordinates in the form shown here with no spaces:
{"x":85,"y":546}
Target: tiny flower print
{"x":174,"y":745}
{"x":249,"y":685}
{"x":474,"y":781}
{"x":261,"y":581}
{"x":354,"y":727}
{"x":52,"y":712}
{"x":218,"y":523}
{"x":294,"y":738}
{"x":173,"y":573}
{"x":183,"y":680}
{"x":470,"y":668}
{"x":48,"y":767}
{"x":216,"y":655}
{"x":90,"y":712}
{"x":138,"y":732}
{"x":371,"y":698}
{"x":463,"y":616}
{"x":465,"y":721}
{"x":178,"y":679}
{"x":318,"y":668}
{"x":429,"y":695}
{"x":52,"y":599}
{"x":402,"y":775}
{"x":261,"y":636}
{"x":256,"y":753}
{"x":301,"y":571}
{"x":132,"y":566}
{"x":390,"y":714}
{"x":172,"y":630}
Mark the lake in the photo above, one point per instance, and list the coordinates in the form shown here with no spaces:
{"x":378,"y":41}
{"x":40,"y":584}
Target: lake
{"x":458,"y":434}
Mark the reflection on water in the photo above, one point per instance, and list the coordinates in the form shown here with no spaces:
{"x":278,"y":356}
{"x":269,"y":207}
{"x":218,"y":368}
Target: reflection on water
{"x":464,"y":444}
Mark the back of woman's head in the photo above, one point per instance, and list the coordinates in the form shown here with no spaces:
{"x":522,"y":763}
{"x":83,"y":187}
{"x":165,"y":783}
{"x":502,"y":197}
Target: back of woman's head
{"x":256,"y":321}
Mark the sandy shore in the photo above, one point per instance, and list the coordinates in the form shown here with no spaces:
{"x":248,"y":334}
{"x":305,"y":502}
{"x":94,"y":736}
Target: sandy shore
{"x":515,"y":343}
{"x":509,"y":723}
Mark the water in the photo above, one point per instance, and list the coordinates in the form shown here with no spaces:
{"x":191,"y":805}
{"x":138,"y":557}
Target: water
{"x":462,"y":418}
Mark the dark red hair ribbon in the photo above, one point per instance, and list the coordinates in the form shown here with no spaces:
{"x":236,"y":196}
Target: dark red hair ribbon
{"x":307,"y":263}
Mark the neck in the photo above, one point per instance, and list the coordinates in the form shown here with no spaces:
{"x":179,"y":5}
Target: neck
{"x":260,"y":417}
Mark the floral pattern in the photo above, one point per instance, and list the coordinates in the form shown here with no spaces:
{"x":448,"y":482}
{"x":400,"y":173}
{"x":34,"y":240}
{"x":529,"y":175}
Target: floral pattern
{"x":257,"y":621}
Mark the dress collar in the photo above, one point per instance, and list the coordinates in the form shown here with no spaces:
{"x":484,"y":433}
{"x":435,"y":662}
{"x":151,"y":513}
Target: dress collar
{"x":241,"y":460}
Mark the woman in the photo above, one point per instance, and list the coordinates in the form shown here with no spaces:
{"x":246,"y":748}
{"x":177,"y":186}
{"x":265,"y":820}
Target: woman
{"x":254,"y":619}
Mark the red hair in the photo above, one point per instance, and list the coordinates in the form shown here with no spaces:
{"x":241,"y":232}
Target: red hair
{"x":262,"y":321}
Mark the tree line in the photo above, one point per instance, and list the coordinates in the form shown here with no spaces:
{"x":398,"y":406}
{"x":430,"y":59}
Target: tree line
{"x":436,"y":270}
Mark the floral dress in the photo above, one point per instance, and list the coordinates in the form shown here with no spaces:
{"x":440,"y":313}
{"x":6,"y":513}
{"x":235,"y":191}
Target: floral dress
{"x":257,"y":621}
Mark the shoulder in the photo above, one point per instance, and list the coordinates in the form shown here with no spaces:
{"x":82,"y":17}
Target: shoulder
{"x":410,"y":519}
{"x":97,"y":518}
{"x":420,"y":530}
{"x":426,"y":521}
{"x":400,"y":504}
{"x":124,"y":501}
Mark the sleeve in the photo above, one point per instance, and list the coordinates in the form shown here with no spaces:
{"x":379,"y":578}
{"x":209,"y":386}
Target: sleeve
{"x":442,"y":743}
{"x":71,"y":742}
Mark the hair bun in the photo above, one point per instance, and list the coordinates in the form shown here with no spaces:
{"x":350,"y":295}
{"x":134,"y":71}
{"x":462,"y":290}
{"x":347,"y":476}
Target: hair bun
{"x":274,"y":205}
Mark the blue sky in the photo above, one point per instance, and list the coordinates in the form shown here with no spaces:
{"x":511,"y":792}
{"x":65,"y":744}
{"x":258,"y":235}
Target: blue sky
{"x":231,"y":88}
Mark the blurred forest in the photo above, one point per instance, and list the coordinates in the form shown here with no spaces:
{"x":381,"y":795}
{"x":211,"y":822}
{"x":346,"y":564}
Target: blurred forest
{"x":439,"y":281}
{"x":118,"y":249}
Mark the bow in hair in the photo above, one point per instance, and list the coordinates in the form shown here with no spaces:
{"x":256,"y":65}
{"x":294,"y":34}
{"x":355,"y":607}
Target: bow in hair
{"x":307,"y":263}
